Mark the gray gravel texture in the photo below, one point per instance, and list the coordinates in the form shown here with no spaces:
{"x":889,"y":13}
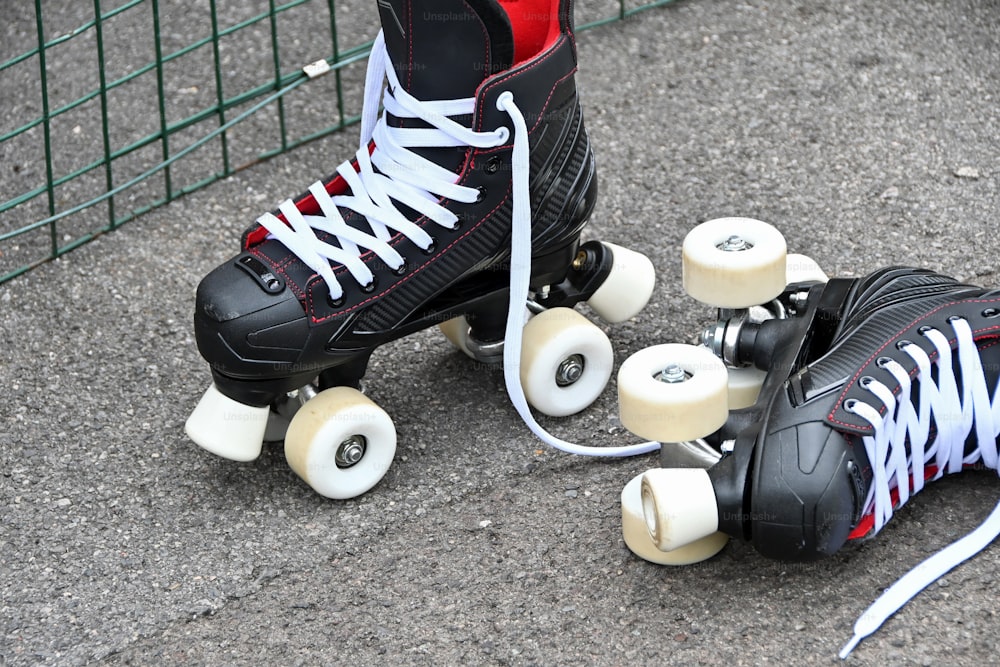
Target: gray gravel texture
{"x":866,"y":131}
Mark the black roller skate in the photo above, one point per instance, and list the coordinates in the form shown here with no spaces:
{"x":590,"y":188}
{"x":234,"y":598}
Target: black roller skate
{"x":463,"y":206}
{"x":871,"y":387}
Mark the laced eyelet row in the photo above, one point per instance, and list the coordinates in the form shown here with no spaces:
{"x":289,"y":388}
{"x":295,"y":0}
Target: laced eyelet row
{"x":883,"y":362}
{"x":925,"y":329}
{"x":958,"y":402}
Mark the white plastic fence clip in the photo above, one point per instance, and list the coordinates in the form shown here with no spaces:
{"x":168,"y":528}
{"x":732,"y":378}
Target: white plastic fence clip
{"x":315,"y":69}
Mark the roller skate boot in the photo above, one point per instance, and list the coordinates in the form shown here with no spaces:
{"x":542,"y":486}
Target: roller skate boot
{"x":463,"y":207}
{"x":871,"y":388}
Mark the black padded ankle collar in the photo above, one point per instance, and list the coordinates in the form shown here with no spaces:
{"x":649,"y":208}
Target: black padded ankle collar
{"x":443,"y":49}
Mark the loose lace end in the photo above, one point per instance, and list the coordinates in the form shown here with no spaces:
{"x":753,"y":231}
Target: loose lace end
{"x":520,"y":275}
{"x":849,"y":646}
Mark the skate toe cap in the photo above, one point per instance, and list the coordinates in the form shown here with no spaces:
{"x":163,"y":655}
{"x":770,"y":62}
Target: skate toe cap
{"x":240,"y":287}
{"x":240,"y":325}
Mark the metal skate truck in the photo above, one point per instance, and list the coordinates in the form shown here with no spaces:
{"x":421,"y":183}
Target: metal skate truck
{"x":813,"y":409}
{"x":464,"y":205}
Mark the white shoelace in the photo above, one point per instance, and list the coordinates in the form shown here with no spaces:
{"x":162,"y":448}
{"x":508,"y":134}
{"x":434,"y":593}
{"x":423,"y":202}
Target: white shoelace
{"x":402,"y":175}
{"x":955,"y":413}
{"x":419,"y":184}
{"x":520,"y":273}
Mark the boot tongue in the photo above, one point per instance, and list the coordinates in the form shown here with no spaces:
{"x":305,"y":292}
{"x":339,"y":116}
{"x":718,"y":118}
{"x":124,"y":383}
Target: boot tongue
{"x":443,"y":49}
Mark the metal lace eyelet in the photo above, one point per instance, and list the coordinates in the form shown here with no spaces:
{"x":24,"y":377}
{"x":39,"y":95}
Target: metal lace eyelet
{"x":850,"y":403}
{"x":492,"y":165}
{"x":482,"y":194}
{"x":991,"y":312}
{"x":866,"y":381}
{"x":399,"y":270}
{"x":924,"y":330}
{"x":903,"y":343}
{"x":334,"y":303}
{"x":370,"y":287}
{"x":882,"y":362}
{"x":955,"y":318}
{"x":432,"y":248}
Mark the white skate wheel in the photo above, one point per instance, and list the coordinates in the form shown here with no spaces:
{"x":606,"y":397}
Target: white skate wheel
{"x":340,"y":443}
{"x":227,"y":428}
{"x":566,"y":362}
{"x":627,"y":288}
{"x":679,"y":506}
{"x":744,"y":386}
{"x":673,"y":411}
{"x":803,"y":269}
{"x":638,"y":540}
{"x":734,"y":262}
{"x":456,"y":330}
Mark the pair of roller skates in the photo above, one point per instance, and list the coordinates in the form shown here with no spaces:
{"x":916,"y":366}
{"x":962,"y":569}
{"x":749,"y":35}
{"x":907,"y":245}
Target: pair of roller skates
{"x":812,"y":409}
{"x":464,"y":207}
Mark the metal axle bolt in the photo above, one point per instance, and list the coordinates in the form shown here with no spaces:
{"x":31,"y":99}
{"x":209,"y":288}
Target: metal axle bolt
{"x":734,"y":244}
{"x":673,"y":374}
{"x":570,"y":370}
{"x":351,"y":451}
{"x":799,"y":299}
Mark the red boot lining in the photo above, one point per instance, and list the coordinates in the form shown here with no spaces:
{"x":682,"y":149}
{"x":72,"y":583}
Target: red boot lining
{"x":535,"y":24}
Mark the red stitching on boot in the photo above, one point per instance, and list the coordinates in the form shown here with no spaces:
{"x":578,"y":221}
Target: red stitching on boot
{"x":309,"y":287}
{"x":913,"y":373}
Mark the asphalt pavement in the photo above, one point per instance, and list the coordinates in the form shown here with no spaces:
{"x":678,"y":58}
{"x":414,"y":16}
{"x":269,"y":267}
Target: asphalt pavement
{"x":866,"y":131}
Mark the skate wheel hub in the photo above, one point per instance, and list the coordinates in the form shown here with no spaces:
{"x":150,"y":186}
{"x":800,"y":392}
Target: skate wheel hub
{"x":734,"y":243}
{"x":570,"y":370}
{"x":672,"y":374}
{"x":351,"y":451}
{"x":649,"y":511}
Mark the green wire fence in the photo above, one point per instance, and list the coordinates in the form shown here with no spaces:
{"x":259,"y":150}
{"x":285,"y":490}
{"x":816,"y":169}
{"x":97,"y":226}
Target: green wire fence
{"x":122,"y":106}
